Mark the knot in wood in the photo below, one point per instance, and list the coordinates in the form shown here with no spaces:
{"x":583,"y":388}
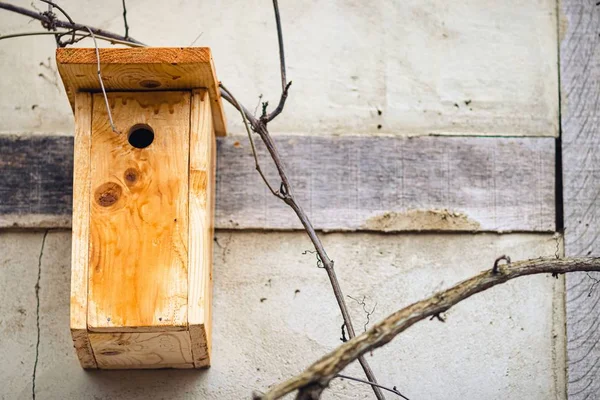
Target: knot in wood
{"x":131,"y":176}
{"x":108,"y":194}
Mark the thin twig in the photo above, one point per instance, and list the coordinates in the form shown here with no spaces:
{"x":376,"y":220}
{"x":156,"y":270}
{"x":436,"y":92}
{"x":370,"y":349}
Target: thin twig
{"x":195,"y":40}
{"x":393,"y":390}
{"x":81,"y":36}
{"x":285,"y":86}
{"x":51,"y":4}
{"x":280,"y":42}
{"x":63,"y":24}
{"x":366,"y":311}
{"x":323,"y":371}
{"x":112,"y":124}
{"x":260,"y":127}
{"x":256,"y":163}
{"x":125,"y":20}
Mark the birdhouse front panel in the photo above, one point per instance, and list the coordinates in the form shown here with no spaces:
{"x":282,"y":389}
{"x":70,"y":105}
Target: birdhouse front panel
{"x":143,"y":201}
{"x":139,"y":212}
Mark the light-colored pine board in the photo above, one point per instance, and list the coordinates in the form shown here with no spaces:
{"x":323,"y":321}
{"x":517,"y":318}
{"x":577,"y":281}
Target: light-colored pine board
{"x":580,"y":88}
{"x":142,"y":350}
{"x":201,"y":228}
{"x":80,"y":229}
{"x":138,"y":283}
{"x":345,"y":183}
{"x":136,"y":69}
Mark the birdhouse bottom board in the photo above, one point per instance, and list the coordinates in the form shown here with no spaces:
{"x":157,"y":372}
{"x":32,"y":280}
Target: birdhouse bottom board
{"x":143,"y":202}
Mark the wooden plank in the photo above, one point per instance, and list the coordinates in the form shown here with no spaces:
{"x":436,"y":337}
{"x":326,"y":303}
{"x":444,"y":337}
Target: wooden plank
{"x":136,"y":283}
{"x":80,"y":228}
{"x":149,"y":68}
{"x":394,"y":184}
{"x":580,"y":88}
{"x":142,"y":350}
{"x":349,"y":183}
{"x":201,"y":227}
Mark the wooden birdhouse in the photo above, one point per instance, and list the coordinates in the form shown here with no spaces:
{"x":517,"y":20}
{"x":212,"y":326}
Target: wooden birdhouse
{"x":143,"y":200}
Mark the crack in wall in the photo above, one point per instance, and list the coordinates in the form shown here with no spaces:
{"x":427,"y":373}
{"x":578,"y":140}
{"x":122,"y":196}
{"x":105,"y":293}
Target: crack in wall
{"x":37,"y":299}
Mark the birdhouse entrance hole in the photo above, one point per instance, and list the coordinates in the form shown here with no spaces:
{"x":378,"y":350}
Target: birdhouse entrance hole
{"x":141,"y":136}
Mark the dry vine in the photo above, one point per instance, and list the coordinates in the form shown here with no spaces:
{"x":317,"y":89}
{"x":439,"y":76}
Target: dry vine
{"x":311,"y":383}
{"x":315,"y":378}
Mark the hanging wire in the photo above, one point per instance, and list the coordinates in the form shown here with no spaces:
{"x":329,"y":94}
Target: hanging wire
{"x":112,"y":124}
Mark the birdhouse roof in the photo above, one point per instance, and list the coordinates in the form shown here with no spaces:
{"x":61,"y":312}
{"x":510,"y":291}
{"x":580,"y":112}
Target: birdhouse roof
{"x":142,"y":69}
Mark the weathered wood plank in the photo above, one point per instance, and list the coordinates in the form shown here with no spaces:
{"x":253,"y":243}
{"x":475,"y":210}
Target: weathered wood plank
{"x":345,"y":183}
{"x":580,"y":90}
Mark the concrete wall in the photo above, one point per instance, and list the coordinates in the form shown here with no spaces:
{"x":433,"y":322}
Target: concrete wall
{"x":467,"y":67}
{"x":274,"y":314}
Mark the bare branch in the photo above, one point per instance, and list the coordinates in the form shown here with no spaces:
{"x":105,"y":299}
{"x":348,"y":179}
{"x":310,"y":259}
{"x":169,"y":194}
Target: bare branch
{"x":324,"y":370}
{"x":256,"y":163}
{"x":284,"y":83}
{"x":125,"y":20}
{"x":280,"y":41}
{"x":63,"y":24}
{"x":393,"y":390}
{"x":51,"y":16}
{"x":80,"y":35}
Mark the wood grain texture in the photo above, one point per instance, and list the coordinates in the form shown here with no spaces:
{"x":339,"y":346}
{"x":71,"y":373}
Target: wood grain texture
{"x":580,"y":90}
{"x":83,"y":348}
{"x":142,"y":350}
{"x":393,"y":184}
{"x":139,"y":215}
{"x":80,"y":229}
{"x":136,"y":69}
{"x":345,"y":183}
{"x":201,"y":227}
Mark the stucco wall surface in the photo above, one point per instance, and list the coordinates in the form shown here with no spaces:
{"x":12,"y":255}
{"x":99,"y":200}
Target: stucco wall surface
{"x":478,"y":67}
{"x":274,"y":314}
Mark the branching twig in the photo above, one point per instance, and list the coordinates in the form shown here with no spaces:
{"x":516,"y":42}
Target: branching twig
{"x":80,"y":35}
{"x":256,"y":163}
{"x":366,"y":311}
{"x":286,"y":194}
{"x":285,"y":85}
{"x":63,"y":24}
{"x":323,"y":371}
{"x":52,"y":18}
{"x":393,"y":390}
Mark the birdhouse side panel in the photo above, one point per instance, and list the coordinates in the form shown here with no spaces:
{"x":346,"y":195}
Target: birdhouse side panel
{"x":139,"y":213}
{"x":80,"y":230}
{"x":202,"y":196}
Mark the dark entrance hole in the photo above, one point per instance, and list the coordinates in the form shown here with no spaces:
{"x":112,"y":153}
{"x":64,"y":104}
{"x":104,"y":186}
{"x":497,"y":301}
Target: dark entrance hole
{"x":141,"y":136}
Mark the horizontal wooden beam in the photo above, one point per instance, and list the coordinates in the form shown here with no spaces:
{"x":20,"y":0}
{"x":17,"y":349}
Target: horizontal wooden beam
{"x":345,"y":183}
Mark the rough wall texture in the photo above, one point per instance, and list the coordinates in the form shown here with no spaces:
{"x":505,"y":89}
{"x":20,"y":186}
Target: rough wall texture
{"x":467,"y":67}
{"x":274,"y":314}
